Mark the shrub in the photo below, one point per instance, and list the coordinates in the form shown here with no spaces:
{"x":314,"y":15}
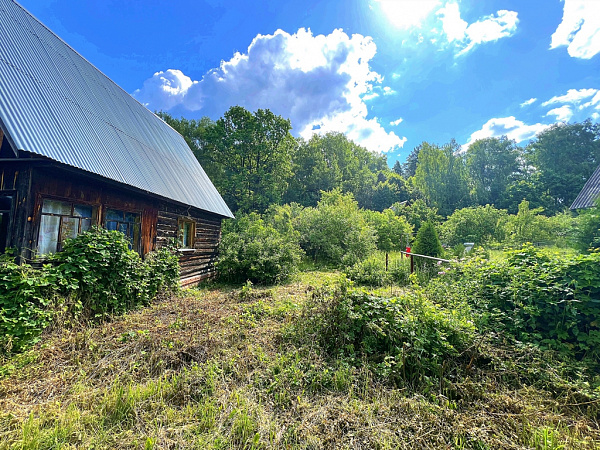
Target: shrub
{"x":25,"y":296}
{"x":587,"y":235}
{"x":391,"y":231}
{"x":406,"y":339}
{"x":335,"y":232}
{"x":370,"y":272}
{"x":550,"y":300}
{"x":479,"y":224}
{"x":96,"y":274}
{"x":254,"y":250}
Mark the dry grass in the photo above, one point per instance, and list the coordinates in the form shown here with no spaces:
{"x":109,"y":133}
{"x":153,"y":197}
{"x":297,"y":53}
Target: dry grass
{"x":211,"y":369}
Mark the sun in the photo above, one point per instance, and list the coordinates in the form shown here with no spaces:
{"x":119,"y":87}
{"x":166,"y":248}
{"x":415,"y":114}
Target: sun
{"x":407,"y":13}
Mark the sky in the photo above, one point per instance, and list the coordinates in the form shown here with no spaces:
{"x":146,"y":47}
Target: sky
{"x":389,"y":74}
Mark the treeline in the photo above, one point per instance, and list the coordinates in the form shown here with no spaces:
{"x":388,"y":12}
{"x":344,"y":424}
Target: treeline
{"x":255,"y":162}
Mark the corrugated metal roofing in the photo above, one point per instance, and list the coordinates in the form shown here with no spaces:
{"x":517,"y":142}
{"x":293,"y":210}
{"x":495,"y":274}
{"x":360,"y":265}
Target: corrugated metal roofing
{"x":589,"y":193}
{"x":56,"y":104}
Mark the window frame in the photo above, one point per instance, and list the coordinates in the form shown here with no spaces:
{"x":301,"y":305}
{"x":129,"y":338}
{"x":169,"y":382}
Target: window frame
{"x":93,"y":218}
{"x":136,"y":246}
{"x":181,"y":223}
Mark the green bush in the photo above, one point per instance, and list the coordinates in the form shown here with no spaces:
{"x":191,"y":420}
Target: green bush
{"x":254,"y":250}
{"x":479,"y":224}
{"x":391,"y":231}
{"x":25,"y":296}
{"x":408,"y":340}
{"x":96,"y":274}
{"x":335,"y":232}
{"x":112,"y":279}
{"x":551,"y":300}
{"x":587,"y":235}
{"x":370,"y":272}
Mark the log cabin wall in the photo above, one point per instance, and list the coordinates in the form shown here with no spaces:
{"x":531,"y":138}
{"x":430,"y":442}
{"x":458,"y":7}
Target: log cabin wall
{"x":197,"y":263}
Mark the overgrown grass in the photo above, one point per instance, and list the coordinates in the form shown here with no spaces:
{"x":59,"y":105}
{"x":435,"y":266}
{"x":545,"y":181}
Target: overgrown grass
{"x":228,"y":367}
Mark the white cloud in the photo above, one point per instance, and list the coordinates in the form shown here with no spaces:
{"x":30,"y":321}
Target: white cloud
{"x":407,"y":13}
{"x":595,"y":116}
{"x":579,"y":30}
{"x":388,"y":91}
{"x":573,"y":96}
{"x":528,"y":102}
{"x":397,"y":122}
{"x":562,"y":114}
{"x":507,"y":126}
{"x":312,"y":80}
{"x":165,"y":88}
{"x":488,"y":29}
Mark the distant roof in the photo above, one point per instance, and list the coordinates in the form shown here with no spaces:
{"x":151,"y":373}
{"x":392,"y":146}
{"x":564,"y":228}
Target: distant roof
{"x":590,"y":192}
{"x":56,"y":104}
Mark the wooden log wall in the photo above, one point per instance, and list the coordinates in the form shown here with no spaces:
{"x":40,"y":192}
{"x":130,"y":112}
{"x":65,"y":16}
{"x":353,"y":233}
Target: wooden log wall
{"x":195,"y":264}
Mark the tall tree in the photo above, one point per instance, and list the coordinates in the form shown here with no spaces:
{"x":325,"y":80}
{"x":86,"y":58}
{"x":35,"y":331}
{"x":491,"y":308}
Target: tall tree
{"x":492,"y":164}
{"x":565,"y":155}
{"x":251,"y":153}
{"x":441,"y":177}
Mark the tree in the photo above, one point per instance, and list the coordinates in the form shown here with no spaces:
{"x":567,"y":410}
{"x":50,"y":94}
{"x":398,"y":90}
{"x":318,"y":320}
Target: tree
{"x":441,"y":177}
{"x":492,"y":165}
{"x":565,"y":155}
{"x":479,"y":224}
{"x":427,"y":243}
{"x":251,"y":154}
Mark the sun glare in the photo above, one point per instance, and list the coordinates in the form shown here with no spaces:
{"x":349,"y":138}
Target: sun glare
{"x":407,"y":13}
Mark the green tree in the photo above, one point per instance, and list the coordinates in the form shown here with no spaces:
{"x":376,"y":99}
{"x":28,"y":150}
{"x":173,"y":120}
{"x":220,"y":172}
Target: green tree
{"x":441,"y":177}
{"x":565,"y":155}
{"x":492,"y":163}
{"x":251,"y":154}
{"x":391,"y":230}
{"x":427,"y":241}
{"x":478,"y":224}
{"x":588,"y":228}
{"x":528,"y":225}
{"x":416,"y":213}
{"x":335,"y":232}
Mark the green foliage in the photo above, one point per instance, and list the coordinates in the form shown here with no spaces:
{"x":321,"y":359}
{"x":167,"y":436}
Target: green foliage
{"x":528,"y":225}
{"x":427,"y":241}
{"x":252,"y":249}
{"x":416,"y":213}
{"x":250,"y":157}
{"x":25,"y":294}
{"x":491,"y":164}
{"x":587,"y":235}
{"x":110,"y":277}
{"x":391,"y":230}
{"x":335,"y":232}
{"x":96,"y":274}
{"x":479,"y":224}
{"x":565,"y":156}
{"x":407,"y":340}
{"x":548,"y":299}
{"x":370,"y":272}
{"x":441,"y":177}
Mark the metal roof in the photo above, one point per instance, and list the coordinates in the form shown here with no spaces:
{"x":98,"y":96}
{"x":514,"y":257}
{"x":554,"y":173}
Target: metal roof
{"x":590,"y":192}
{"x":54,"y":103}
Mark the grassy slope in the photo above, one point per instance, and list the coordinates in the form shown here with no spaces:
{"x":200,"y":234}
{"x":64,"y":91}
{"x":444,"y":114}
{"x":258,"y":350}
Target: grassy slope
{"x":213,"y":369}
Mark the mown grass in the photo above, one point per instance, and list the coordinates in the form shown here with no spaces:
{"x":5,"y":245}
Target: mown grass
{"x":216,"y":368}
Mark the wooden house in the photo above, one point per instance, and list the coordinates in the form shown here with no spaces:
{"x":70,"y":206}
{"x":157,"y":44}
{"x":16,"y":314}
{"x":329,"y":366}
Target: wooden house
{"x":77,"y":150}
{"x":590,"y":192}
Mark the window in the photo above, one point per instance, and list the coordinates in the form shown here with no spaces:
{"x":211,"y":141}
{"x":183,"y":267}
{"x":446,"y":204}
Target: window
{"x":186,"y":233}
{"x":127,"y":223}
{"x":61,"y":221}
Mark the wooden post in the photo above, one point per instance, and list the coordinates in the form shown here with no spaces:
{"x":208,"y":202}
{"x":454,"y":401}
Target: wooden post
{"x":386,"y":261}
{"x":412,"y":264}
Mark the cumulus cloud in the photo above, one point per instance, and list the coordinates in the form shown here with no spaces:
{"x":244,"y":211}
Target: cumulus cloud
{"x":579,"y":30}
{"x":562,"y":114}
{"x":528,"y":102}
{"x":507,"y":126}
{"x":397,"y":122}
{"x":488,"y":29}
{"x":318,"y":82}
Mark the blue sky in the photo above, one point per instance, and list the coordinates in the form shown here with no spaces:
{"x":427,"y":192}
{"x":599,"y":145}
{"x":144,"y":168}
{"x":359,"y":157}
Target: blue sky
{"x":388,"y":73}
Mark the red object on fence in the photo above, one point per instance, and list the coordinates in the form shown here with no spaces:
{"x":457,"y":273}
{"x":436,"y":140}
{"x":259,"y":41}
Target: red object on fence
{"x":407,"y":249}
